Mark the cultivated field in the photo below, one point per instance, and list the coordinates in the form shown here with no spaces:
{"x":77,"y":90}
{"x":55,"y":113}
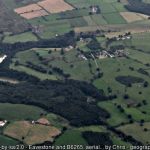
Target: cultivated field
{"x":31,"y":133}
{"x":55,"y":6}
{"x":28,"y":8}
{"x":132,"y":17}
{"x":34,"y":14}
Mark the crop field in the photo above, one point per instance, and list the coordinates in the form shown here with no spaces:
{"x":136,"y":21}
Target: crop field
{"x":34,"y":14}
{"x":26,"y":9}
{"x":24,"y":131}
{"x":42,"y":8}
{"x":53,"y":18}
{"x":132,"y":17}
{"x":55,"y":6}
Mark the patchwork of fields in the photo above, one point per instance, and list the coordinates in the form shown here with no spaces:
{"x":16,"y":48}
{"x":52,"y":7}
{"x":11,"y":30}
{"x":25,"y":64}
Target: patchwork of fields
{"x":110,"y":50}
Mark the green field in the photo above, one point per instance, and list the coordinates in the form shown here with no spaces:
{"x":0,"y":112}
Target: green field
{"x":136,"y":131}
{"x":6,"y":141}
{"x":71,"y":137}
{"x":114,"y":18}
{"x":57,"y":121}
{"x":80,"y":61}
{"x":24,"y":111}
{"x":99,"y":19}
{"x":79,"y":64}
{"x":24,"y":37}
{"x":115,"y":113}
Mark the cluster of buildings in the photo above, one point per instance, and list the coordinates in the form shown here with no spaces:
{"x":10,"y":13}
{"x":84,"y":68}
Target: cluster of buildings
{"x":124,"y":37}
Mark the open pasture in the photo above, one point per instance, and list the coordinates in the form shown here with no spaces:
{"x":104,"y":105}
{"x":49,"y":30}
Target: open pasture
{"x":25,"y":112}
{"x":55,"y":6}
{"x":6,"y":141}
{"x":71,"y":137}
{"x":114,"y":18}
{"x":115,"y":113}
{"x":22,"y":37}
{"x":137,"y":131}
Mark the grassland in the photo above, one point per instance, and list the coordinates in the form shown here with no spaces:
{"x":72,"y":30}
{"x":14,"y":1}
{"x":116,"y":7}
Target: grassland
{"x":57,"y":121}
{"x":71,"y":137}
{"x":137,"y":131}
{"x":138,"y":48}
{"x":114,"y":18}
{"x":25,"y":112}
{"x":79,"y":69}
{"x":80,"y":66}
{"x":30,"y":55}
{"x":24,"y":37}
{"x":112,"y":109}
{"x":6,"y":141}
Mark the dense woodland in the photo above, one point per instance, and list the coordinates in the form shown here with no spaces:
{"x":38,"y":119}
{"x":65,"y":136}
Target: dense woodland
{"x":67,"y":98}
{"x":138,"y":6}
{"x":97,"y":138}
{"x":60,"y":41}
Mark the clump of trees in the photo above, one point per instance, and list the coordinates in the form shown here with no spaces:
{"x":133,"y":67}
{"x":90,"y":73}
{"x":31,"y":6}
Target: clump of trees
{"x":128,"y":80}
{"x":138,"y":6}
{"x":97,"y":138}
{"x":66,"y":98}
{"x":94,"y":45}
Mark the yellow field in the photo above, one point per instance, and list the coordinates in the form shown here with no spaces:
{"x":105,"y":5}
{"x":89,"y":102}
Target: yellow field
{"x":55,"y":6}
{"x":28,"y":8}
{"x":132,"y":17}
{"x":31,"y":133}
{"x":34,"y":14}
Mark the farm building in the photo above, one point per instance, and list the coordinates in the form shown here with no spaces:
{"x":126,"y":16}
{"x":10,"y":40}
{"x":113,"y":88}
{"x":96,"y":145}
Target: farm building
{"x":2,"y":58}
{"x":2,"y":123}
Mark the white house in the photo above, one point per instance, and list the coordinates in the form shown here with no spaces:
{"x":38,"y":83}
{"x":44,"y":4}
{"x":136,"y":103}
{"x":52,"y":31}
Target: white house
{"x":2,"y":58}
{"x":2,"y":123}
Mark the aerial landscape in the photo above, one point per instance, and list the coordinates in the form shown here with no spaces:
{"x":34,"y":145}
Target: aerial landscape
{"x":75,"y":74}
